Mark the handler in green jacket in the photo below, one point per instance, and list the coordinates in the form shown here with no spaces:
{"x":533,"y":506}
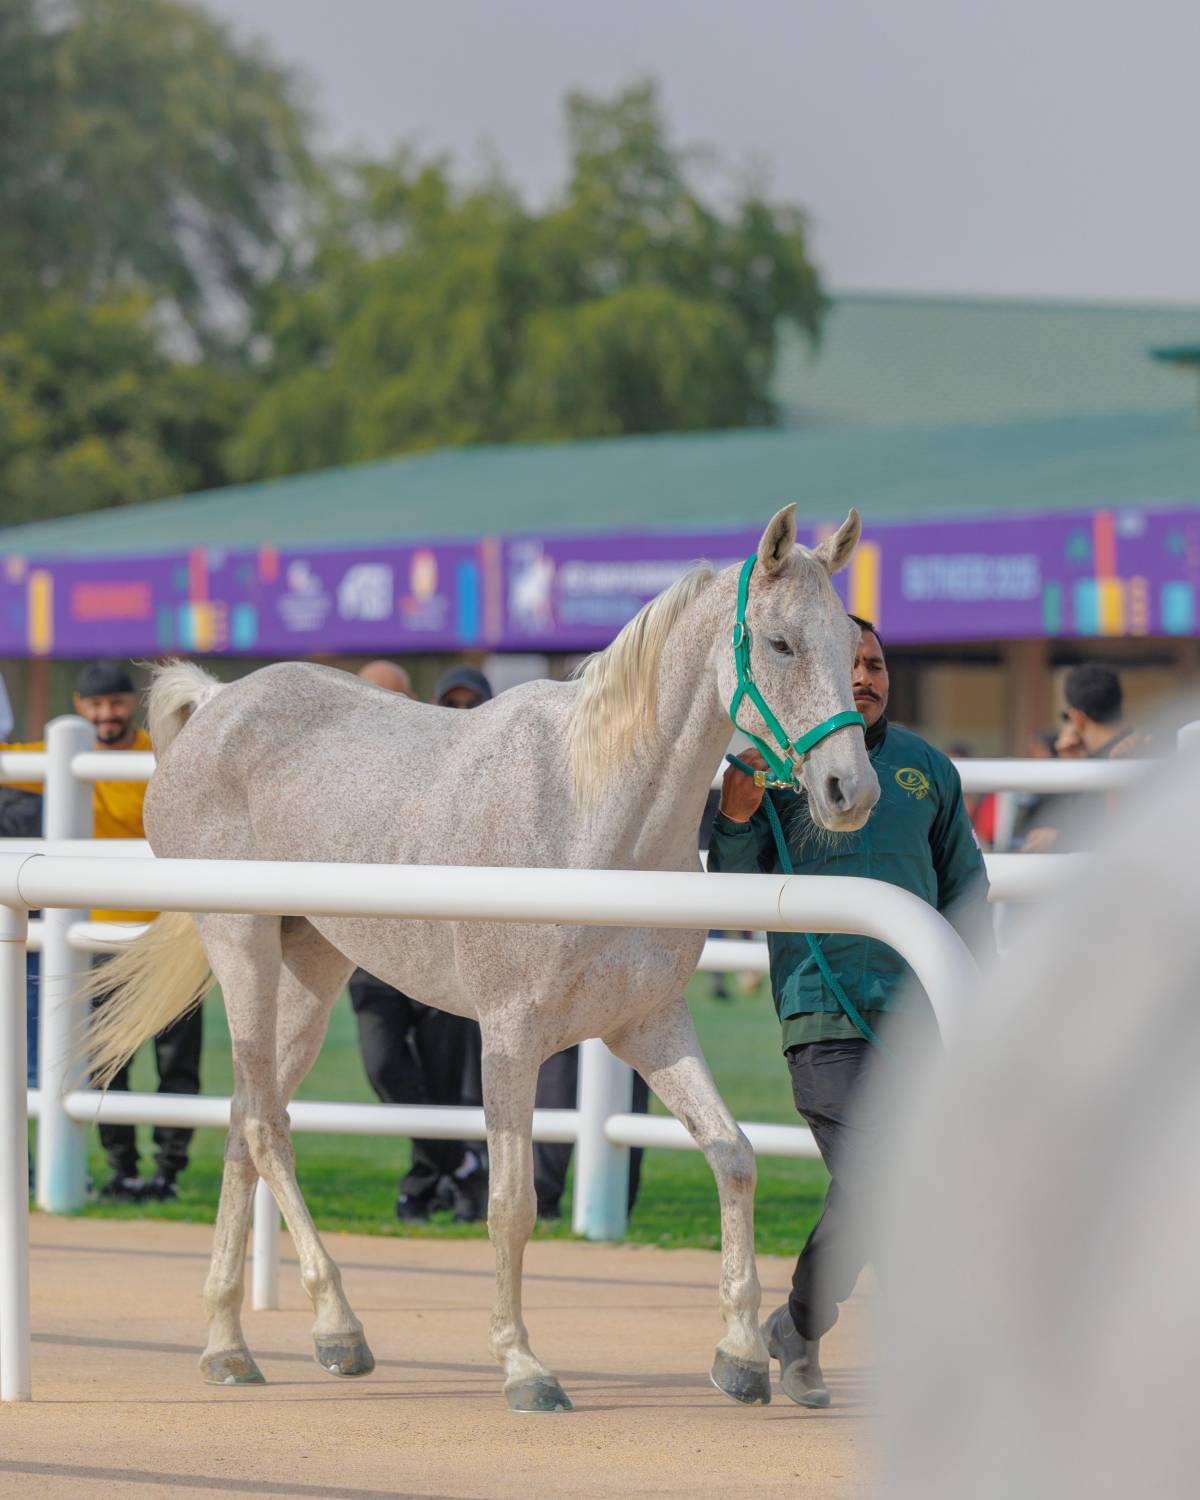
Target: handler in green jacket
{"x":918,"y":837}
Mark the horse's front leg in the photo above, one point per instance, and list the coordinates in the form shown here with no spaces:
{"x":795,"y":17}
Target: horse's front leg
{"x":509,"y":1082}
{"x":665,"y":1050}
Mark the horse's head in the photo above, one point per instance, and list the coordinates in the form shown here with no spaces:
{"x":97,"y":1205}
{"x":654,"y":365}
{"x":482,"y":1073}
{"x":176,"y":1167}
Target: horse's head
{"x":801,"y":656}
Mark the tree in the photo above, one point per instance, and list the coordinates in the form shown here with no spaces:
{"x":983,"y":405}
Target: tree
{"x":144,"y":149}
{"x":93,"y":413}
{"x":434,"y":314}
{"x":153,"y":175}
{"x":188,"y":294}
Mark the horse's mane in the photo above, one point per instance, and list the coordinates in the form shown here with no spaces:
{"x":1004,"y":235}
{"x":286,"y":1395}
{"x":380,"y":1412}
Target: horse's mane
{"x":614,"y":712}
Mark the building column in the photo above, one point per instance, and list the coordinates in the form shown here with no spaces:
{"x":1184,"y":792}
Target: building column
{"x":37,"y":697}
{"x":1029,"y":689}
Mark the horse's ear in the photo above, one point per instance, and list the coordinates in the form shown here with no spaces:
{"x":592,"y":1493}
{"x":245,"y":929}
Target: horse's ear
{"x":778,"y":540}
{"x":834,"y":552}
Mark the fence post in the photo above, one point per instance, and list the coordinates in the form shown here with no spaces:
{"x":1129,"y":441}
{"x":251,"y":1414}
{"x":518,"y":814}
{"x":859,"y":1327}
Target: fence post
{"x":61,"y":1142}
{"x":14,"y":1161}
{"x":264,"y":1262}
{"x":601,"y":1169}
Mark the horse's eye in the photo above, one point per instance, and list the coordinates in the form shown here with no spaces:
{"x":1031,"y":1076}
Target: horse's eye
{"x":782,"y":647}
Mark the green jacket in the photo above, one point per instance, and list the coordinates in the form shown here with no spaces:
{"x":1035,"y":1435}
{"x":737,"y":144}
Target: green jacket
{"x":918,"y":837}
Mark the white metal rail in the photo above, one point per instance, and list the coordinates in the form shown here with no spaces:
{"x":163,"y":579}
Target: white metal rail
{"x":585,"y":897}
{"x":601,"y":1126}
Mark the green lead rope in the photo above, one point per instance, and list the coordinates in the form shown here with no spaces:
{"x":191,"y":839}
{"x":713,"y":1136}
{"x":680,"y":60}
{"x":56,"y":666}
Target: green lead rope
{"x":785,"y":860}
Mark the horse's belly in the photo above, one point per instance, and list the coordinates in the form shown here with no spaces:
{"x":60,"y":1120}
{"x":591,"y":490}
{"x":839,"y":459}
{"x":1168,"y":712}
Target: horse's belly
{"x":584,"y":980}
{"x":414,"y":957}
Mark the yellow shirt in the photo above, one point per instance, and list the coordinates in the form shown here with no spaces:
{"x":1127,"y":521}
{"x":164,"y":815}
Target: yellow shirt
{"x":118,"y":815}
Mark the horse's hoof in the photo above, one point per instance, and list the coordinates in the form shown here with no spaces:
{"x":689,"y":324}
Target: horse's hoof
{"x":231,"y":1367}
{"x":744,"y":1382}
{"x":348,"y":1355}
{"x":540,"y":1394}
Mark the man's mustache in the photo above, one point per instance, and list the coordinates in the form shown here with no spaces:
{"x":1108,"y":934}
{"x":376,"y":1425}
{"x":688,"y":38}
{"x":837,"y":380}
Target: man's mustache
{"x":866,"y":693}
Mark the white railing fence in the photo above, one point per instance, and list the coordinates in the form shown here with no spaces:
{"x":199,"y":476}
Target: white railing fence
{"x":71,"y":867}
{"x":601,"y":1128}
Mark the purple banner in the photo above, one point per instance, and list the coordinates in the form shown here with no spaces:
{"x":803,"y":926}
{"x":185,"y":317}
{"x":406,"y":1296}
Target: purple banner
{"x":1078,"y":573}
{"x":1086,"y":573}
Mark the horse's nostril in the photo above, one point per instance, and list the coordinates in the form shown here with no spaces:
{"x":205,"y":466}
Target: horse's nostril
{"x":833,"y":790}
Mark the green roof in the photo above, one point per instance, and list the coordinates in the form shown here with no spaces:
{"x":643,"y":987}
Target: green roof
{"x":914,"y":406}
{"x":1178,"y":354}
{"x":645,"y":483}
{"x":893,"y":360}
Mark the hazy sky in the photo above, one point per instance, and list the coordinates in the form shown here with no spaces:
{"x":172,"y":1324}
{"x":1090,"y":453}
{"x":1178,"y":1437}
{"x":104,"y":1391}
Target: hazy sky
{"x":1041,"y":147}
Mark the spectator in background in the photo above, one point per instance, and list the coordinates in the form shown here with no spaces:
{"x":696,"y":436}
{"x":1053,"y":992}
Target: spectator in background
{"x":1032,"y":808}
{"x":1092,"y":728}
{"x":416,"y":1054}
{"x":1094,"y":711}
{"x":558,"y":1088}
{"x":21,"y":818}
{"x":105,"y":696}
{"x":462,"y":687}
{"x":1067,"y":744}
{"x":389,"y":675}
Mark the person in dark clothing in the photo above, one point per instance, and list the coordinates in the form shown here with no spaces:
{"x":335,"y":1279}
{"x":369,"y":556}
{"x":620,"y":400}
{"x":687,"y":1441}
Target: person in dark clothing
{"x":918,"y":837}
{"x":1095,"y":709}
{"x":21,"y":818}
{"x":558,"y":1088}
{"x":177,"y":1059}
{"x":1093,"y":728}
{"x":416,"y":1054}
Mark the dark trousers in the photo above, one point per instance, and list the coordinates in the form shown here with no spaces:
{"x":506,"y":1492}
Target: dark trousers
{"x":826,"y":1082}
{"x":177,"y":1057}
{"x":415,"y":1054}
{"x":558,"y":1088}
{"x":32,"y":981}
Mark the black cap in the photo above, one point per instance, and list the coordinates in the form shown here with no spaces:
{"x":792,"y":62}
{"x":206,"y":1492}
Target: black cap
{"x":101,"y":678}
{"x":462,"y":677}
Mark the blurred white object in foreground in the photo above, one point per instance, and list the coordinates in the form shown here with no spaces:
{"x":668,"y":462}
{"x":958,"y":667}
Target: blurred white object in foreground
{"x":1041,"y":1310}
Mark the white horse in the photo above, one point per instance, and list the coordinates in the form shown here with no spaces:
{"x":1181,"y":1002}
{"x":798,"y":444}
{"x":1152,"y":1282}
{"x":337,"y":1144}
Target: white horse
{"x":301,"y":762}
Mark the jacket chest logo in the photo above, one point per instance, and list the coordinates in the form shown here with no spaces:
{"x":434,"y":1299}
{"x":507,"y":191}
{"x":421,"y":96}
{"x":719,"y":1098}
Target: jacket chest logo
{"x":914,"y":782}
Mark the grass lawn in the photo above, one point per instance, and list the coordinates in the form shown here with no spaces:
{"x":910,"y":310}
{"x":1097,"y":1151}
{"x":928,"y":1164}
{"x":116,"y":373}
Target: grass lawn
{"x":350,"y":1182}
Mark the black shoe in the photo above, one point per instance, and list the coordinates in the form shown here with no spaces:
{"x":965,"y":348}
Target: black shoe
{"x":411,"y":1210}
{"x":123,"y":1189}
{"x":471,"y":1199}
{"x":162,"y":1189}
{"x":550,"y":1213}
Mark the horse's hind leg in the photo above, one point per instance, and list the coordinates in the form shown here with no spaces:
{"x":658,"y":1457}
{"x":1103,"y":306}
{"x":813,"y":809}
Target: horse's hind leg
{"x":664,"y":1048}
{"x":256,"y":972}
{"x":509,"y":1082}
{"x":312,"y":975}
{"x":227,"y":1359}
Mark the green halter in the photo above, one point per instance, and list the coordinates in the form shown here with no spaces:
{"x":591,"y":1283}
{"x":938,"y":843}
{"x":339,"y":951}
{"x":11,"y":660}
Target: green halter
{"x":785,"y":766}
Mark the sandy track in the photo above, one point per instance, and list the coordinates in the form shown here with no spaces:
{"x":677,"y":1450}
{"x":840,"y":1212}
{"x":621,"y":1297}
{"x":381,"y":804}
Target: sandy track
{"x":119,"y":1408}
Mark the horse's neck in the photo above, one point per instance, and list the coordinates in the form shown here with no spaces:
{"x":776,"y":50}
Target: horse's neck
{"x":673,"y":772}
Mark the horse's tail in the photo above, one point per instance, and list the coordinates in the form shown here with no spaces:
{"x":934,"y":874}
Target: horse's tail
{"x":178,"y":689}
{"x":155,"y":980}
